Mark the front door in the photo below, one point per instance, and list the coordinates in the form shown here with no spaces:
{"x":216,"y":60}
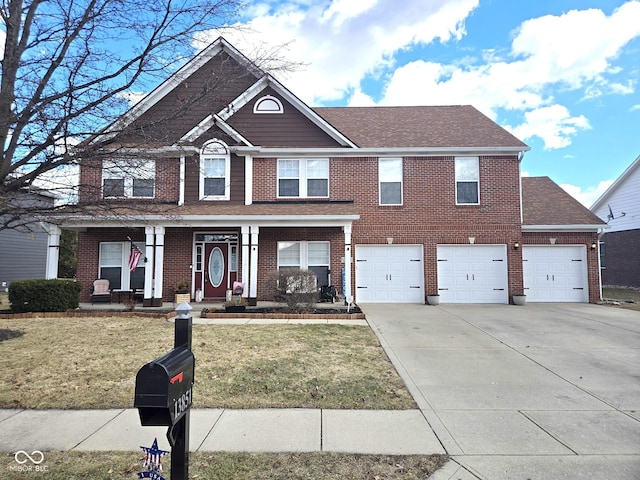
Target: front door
{"x":216,"y":270}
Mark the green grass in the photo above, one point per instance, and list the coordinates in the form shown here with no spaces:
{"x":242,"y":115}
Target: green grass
{"x":233,"y":466}
{"x":624,"y":295}
{"x":87,"y":363}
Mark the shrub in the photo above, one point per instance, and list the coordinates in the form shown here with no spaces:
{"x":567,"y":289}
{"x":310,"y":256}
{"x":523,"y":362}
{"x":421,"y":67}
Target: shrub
{"x":56,"y":295}
{"x":298,"y":288}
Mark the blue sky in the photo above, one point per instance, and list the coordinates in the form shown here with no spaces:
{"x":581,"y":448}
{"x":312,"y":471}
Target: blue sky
{"x":562,"y":75}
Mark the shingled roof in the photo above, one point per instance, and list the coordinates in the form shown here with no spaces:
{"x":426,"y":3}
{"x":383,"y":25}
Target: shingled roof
{"x":544,"y":202}
{"x":427,"y":126}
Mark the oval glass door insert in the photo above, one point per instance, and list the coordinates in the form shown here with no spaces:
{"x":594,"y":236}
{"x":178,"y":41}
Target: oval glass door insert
{"x":216,"y":267}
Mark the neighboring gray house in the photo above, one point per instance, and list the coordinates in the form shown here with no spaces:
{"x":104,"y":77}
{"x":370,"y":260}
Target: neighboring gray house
{"x":619,"y":206}
{"x":24,"y":250}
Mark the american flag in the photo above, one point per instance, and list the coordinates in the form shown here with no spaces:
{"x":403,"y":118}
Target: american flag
{"x":134,"y":257}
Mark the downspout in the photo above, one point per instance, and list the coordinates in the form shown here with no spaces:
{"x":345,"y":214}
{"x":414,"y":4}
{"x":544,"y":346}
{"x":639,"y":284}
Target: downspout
{"x":182,"y":180}
{"x":520,"y":157}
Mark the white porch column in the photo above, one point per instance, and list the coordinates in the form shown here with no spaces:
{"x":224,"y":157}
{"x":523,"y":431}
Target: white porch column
{"x":148,"y":267}
{"x":253,"y":270}
{"x":159,"y":267}
{"x":347,"y":294}
{"x":53,"y":252}
{"x":244,"y":245}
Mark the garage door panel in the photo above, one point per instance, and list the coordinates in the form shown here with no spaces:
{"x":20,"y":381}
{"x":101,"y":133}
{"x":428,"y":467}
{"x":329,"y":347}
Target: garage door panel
{"x":389,"y":274}
{"x":472,"y":274}
{"x":555,"y":273}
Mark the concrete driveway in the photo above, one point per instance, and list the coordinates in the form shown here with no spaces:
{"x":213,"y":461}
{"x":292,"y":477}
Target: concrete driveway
{"x":544,"y":391}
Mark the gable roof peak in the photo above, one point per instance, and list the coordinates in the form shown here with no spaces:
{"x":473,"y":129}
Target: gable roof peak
{"x":198,"y":61}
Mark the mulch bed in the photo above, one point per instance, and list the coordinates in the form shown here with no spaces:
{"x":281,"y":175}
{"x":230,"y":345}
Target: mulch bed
{"x":284,"y":313}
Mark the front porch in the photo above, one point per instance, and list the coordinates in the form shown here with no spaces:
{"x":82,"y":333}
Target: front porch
{"x":212,"y":254}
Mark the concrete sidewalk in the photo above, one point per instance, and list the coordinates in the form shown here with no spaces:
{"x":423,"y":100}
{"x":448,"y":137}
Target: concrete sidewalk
{"x":401,"y":432}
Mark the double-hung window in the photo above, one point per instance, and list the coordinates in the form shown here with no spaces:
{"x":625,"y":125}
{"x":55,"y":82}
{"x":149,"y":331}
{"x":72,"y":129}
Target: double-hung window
{"x":303,"y":178}
{"x":127,"y":178}
{"x":215,"y":167}
{"x":114,"y":266}
{"x":314,"y":256}
{"x":467,"y":181}
{"x":390,"y":181}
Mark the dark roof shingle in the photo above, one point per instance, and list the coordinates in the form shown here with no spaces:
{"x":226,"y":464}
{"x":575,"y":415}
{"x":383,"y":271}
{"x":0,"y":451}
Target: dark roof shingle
{"x":427,"y":126}
{"x":544,"y":202}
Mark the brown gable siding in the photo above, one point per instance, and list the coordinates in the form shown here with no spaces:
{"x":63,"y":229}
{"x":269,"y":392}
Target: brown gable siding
{"x":192,"y":182}
{"x":290,"y":129}
{"x":433,"y":126}
{"x":205,"y":92}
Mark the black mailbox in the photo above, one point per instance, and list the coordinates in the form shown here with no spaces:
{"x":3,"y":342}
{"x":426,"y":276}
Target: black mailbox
{"x":164,"y":388}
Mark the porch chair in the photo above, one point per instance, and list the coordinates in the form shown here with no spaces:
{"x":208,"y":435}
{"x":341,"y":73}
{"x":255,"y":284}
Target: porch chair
{"x":101,"y":291}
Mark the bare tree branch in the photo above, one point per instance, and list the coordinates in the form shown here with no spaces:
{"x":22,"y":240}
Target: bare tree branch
{"x":65,"y":69}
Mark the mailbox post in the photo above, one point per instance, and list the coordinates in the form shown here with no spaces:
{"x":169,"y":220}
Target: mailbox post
{"x":164,"y":393}
{"x":180,"y":431}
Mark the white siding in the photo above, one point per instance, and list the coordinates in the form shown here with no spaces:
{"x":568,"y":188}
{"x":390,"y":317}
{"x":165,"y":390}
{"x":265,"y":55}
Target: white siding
{"x":623,"y":196}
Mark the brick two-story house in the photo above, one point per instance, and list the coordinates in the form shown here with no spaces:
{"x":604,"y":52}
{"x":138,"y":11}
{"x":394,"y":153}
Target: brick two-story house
{"x":221,"y":174}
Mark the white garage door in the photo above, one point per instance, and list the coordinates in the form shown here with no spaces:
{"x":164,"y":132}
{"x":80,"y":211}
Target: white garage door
{"x":555,"y":273}
{"x":472,"y":274}
{"x":389,"y":274}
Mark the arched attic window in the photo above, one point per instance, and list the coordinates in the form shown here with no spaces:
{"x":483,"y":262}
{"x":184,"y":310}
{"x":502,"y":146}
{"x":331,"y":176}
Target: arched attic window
{"x":215,"y":171}
{"x":268,"y":104}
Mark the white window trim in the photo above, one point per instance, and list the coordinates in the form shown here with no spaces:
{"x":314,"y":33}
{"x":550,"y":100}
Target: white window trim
{"x":121,"y":169}
{"x":303,"y":178}
{"x":477,"y":159}
{"x":211,"y":150}
{"x":259,"y":105}
{"x":380,"y":182}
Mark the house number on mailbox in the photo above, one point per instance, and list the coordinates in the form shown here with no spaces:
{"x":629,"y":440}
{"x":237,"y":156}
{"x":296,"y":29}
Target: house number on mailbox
{"x":182,"y":403}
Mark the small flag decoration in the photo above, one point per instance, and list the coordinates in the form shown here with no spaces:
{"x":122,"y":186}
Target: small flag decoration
{"x":153,"y":461}
{"x":134,"y":257}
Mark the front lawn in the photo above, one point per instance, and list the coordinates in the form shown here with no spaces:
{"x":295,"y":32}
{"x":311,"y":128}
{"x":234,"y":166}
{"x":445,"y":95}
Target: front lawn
{"x":91,"y":363}
{"x":237,"y":466}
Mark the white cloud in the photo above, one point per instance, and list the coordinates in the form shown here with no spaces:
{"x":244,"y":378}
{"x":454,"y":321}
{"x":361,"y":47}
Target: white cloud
{"x":589,"y":195}
{"x":343,"y":41}
{"x":546,"y":52}
{"x":132,"y":97}
{"x":634,"y":108}
{"x":553,"y":124}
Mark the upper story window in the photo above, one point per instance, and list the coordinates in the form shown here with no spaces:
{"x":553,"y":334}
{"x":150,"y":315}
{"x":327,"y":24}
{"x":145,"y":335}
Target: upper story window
{"x":215,"y":168}
{"x":390,"y":181}
{"x":127,"y":178}
{"x":302,"y":178}
{"x":467,"y":181}
{"x":268,"y":104}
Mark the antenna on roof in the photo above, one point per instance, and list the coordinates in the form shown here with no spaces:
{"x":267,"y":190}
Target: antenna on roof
{"x":611,"y":216}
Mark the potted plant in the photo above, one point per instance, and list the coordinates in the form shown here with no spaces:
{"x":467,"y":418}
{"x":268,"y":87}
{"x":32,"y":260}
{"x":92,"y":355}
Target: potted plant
{"x":519,"y":299}
{"x":433,"y":299}
{"x":236,"y":303}
{"x":182,"y":292}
